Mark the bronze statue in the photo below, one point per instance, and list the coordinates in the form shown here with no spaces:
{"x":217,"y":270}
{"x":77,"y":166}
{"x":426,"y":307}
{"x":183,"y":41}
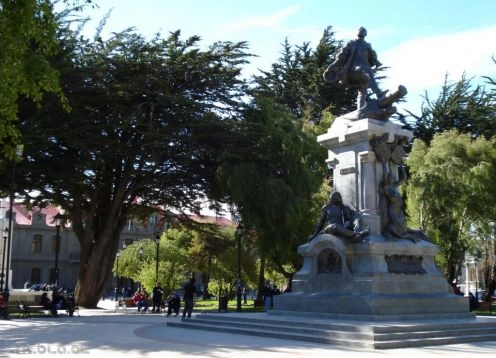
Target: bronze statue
{"x":339,"y":220}
{"x":353,"y":67}
{"x":395,"y":224}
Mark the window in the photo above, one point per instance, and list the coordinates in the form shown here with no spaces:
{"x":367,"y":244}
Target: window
{"x":36,"y":245}
{"x":35,"y":275}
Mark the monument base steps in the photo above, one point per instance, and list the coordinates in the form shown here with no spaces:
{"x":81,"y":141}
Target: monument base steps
{"x":364,"y":335}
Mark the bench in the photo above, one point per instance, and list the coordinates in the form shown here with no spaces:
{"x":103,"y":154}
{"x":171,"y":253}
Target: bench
{"x":25,"y":308}
{"x":124,"y":303}
{"x":486,"y":306}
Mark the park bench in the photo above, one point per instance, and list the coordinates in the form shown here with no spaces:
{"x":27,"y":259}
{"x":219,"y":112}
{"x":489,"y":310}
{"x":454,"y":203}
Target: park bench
{"x":124,"y":303}
{"x":26,"y":308}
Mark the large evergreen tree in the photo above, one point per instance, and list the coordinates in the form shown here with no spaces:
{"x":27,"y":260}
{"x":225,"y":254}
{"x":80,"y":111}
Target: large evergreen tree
{"x":459,"y":106}
{"x":148,"y":121}
{"x":296,"y":82}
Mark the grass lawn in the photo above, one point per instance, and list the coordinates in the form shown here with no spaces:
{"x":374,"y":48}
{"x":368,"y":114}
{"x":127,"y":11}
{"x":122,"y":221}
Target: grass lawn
{"x":34,"y":314}
{"x":487,"y":312}
{"x":213,"y":306}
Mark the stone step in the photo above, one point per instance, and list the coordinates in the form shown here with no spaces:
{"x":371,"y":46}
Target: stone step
{"x":386,"y":335}
{"x":268,"y":332}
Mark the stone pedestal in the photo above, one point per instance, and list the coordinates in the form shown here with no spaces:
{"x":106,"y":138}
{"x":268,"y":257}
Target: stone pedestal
{"x":378,"y":278}
{"x":356,"y":171}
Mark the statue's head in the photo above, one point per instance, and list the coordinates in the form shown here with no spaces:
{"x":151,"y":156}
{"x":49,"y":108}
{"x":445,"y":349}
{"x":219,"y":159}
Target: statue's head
{"x":335,"y":198}
{"x":362,"y":32}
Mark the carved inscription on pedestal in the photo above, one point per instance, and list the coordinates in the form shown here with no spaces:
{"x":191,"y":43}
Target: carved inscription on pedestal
{"x":406,"y":264}
{"x":329,"y":261}
{"x":349,"y":170}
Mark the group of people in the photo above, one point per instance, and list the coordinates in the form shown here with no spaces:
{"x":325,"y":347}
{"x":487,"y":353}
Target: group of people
{"x":140,"y":300}
{"x":57,"y":302}
{"x":270,"y":290}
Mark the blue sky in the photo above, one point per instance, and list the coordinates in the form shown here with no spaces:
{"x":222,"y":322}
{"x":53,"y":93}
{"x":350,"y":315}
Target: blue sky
{"x":421,"y":41}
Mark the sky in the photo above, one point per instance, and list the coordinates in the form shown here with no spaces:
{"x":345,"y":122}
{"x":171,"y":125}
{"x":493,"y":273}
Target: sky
{"x":421,"y":41}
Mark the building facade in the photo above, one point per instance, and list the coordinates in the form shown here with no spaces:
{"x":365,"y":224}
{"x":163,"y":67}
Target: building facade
{"x":33,"y":247}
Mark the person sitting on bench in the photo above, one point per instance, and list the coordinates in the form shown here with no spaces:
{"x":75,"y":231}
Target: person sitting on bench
{"x":48,"y":304}
{"x":139,"y":299}
{"x":4,"y":312}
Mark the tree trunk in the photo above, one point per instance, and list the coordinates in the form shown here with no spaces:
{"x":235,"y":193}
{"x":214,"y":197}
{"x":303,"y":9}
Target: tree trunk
{"x":99,"y":244}
{"x":94,"y":274}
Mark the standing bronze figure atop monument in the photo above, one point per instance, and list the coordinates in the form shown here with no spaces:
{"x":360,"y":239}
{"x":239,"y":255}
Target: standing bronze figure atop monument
{"x":354,"y":68}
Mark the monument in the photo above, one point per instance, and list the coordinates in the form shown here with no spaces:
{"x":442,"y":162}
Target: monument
{"x":362,"y":261}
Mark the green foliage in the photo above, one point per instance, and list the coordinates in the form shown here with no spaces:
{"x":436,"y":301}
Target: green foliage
{"x":295,"y":81}
{"x":460,"y":107}
{"x":270,"y":176}
{"x":28,"y":38}
{"x":450,"y":189}
{"x":148,"y":121}
{"x":137,"y":262}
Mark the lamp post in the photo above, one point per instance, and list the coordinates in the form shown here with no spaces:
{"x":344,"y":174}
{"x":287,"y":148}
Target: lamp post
{"x":2,"y":275}
{"x":239,"y":233}
{"x":117,"y":275}
{"x":476,"y":281}
{"x":19,"y":149}
{"x":140,"y":260}
{"x":58,"y":221}
{"x":157,"y":242}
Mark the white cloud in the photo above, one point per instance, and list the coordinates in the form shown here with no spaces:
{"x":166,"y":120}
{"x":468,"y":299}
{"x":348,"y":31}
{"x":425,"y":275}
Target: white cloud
{"x":421,"y":64}
{"x":272,"y":21}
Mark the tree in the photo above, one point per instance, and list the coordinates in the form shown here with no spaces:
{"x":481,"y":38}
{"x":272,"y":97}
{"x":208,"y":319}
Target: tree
{"x":140,"y":267}
{"x":28,"y":38}
{"x":295,"y":86}
{"x":270,"y":176}
{"x":296,"y":82}
{"x":148,"y":122}
{"x":459,"y":106}
{"x":450,"y":189}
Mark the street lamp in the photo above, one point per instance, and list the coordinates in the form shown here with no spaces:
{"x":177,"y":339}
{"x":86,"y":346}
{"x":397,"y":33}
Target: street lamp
{"x":239,"y":233}
{"x":19,"y":149}
{"x":476,"y":280}
{"x":58,"y":221}
{"x":2,"y":275}
{"x":157,"y":241}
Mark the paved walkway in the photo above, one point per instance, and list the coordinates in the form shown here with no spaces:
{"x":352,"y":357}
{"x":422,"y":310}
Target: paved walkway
{"x":108,"y":333}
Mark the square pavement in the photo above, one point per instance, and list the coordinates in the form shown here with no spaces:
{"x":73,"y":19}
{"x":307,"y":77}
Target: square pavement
{"x":107,"y":332}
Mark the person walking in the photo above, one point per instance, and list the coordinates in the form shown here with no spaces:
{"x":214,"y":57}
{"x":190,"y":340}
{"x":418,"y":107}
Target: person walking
{"x":267,"y":293}
{"x":189,"y":297}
